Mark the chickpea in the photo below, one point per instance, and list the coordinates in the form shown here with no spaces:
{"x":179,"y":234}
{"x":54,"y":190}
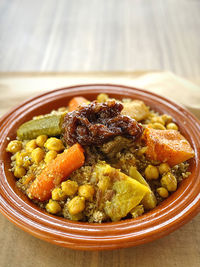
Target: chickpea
{"x":19,"y":159}
{"x":142,"y":151}
{"x":58,"y":194}
{"x":76,"y":205}
{"x":37,"y":155}
{"x":151,"y":172}
{"x":167,"y":118}
{"x":172,"y":126}
{"x":22,"y":159}
{"x":53,"y":207}
{"x":50,"y":155}
{"x":41,"y":139}
{"x":54,"y":144}
{"x":86,"y":191}
{"x":26,"y":161}
{"x":162,"y":192}
{"x":14,"y":146}
{"x":158,"y":126}
{"x":19,"y":172}
{"x":169,"y":182}
{"x":158,"y":119}
{"x":102,"y":98}
{"x":76,"y":217}
{"x":31,"y":145}
{"x":163,"y":168}
{"x":69,"y":187}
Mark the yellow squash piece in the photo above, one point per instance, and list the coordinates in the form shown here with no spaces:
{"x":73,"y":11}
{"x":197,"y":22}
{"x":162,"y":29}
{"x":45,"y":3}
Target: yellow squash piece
{"x":149,"y":201}
{"x":128,"y":192}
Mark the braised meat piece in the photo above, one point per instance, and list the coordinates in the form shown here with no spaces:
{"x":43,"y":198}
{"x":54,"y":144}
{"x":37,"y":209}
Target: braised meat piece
{"x":112,"y":147}
{"x":97,"y":123}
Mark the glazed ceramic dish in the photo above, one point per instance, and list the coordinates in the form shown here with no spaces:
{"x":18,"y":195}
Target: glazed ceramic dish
{"x":175,"y":211}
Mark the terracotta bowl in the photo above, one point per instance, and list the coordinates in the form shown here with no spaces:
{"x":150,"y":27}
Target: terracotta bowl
{"x":172,"y":213}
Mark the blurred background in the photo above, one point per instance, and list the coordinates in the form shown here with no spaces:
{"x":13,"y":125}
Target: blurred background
{"x":100,"y":35}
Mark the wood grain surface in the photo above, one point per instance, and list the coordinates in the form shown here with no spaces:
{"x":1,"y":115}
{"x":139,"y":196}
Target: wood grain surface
{"x":103,"y":35}
{"x":179,"y":249}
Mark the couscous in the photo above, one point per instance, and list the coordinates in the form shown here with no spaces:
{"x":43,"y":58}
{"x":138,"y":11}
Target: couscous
{"x":100,"y":161}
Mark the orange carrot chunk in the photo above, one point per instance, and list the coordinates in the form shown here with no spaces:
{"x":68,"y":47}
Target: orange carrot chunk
{"x":167,"y":146}
{"x":55,"y":172}
{"x":75,"y":102}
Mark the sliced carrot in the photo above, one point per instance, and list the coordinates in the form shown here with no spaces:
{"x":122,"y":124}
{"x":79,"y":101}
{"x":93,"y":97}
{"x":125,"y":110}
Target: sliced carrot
{"x":167,"y":146}
{"x":55,"y":172}
{"x":75,"y":102}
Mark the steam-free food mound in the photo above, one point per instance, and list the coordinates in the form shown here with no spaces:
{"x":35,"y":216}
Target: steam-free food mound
{"x":100,"y":161}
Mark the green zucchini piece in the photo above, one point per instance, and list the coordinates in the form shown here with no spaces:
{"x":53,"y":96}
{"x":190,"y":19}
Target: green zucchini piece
{"x":49,"y":125}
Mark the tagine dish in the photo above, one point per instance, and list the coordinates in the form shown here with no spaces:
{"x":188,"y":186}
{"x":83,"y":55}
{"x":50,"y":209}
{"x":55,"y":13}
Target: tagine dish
{"x":100,"y":161}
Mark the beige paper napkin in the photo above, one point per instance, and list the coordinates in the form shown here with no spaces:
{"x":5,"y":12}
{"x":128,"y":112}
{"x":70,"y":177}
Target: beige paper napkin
{"x":16,"y":87}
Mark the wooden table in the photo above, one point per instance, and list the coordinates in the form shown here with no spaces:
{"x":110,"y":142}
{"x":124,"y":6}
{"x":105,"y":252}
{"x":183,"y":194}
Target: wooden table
{"x":100,"y":35}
